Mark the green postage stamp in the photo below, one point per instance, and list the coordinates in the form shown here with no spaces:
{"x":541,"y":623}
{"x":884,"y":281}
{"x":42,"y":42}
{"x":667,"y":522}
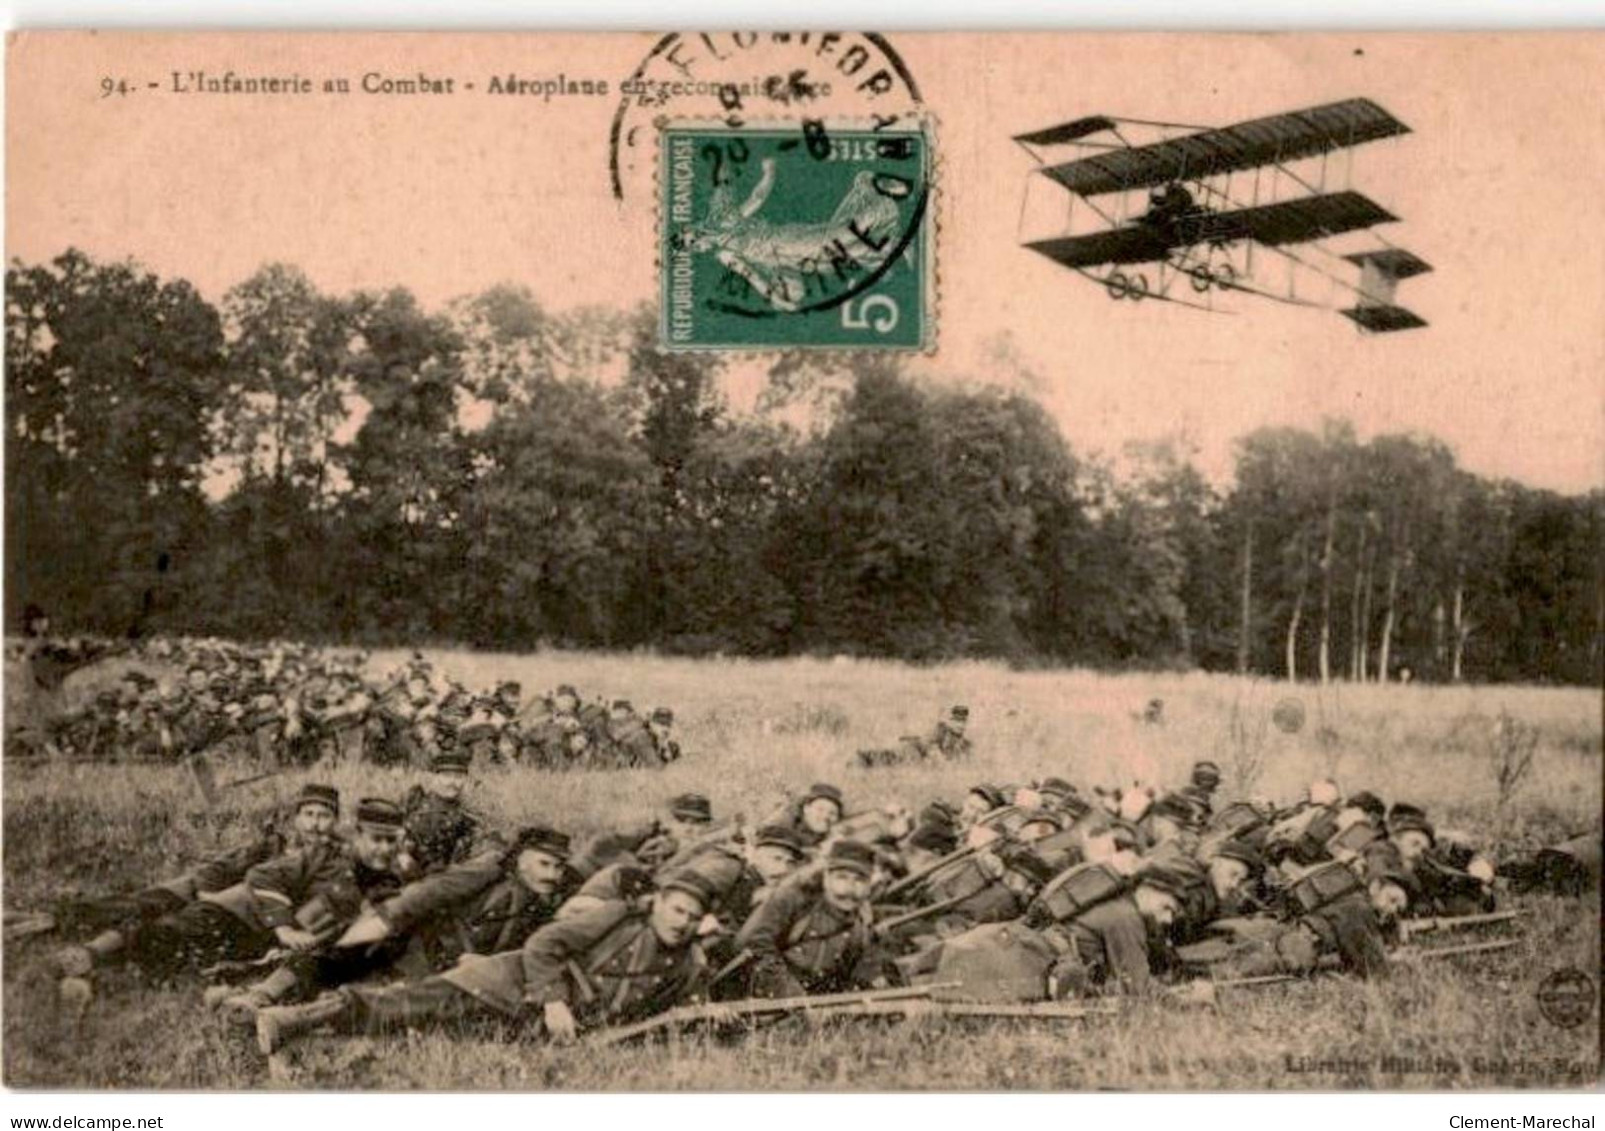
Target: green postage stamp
{"x":803,"y":237}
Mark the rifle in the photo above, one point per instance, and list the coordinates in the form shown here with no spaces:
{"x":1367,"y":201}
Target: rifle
{"x":886,"y":925}
{"x":755,"y":1007}
{"x":919,"y":1008}
{"x":210,"y":788}
{"x":930,"y":870}
{"x":731,"y":967}
{"x":1403,"y":954}
{"x":1416,"y":953}
{"x":1411,"y":927}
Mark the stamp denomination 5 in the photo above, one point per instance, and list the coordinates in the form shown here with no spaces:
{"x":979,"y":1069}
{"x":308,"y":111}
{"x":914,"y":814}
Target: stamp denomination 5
{"x":795,"y":237}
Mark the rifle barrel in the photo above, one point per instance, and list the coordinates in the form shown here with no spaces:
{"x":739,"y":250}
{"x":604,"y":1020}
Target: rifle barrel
{"x":929,"y":870}
{"x":730,"y":1011}
{"x":1410,"y":927}
{"x":1409,"y":954}
{"x":920,"y":913}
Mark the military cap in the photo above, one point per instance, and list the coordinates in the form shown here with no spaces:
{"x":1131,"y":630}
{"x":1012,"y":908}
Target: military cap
{"x":663,"y":716}
{"x":1370,"y":803}
{"x":851,"y":856}
{"x":825,"y":790}
{"x":1173,"y":879}
{"x":692,"y":808}
{"x":510,"y":687}
{"x":566,"y":689}
{"x":450,"y":761}
{"x":1018,"y":858}
{"x":959,"y":713}
{"x":1412,"y":821}
{"x":1045,"y":816}
{"x":934,"y":838}
{"x":539,"y":838}
{"x":1057,"y":787}
{"x":693,"y":884}
{"x":1206,"y":774}
{"x":1177,"y":808}
{"x":317,"y":793}
{"x":780,"y":836}
{"x":477,"y":732}
{"x":989,"y":793}
{"x":1405,"y":810}
{"x":1243,"y":851}
{"x":939,"y":814}
{"x":378,"y":811}
{"x":622,"y":705}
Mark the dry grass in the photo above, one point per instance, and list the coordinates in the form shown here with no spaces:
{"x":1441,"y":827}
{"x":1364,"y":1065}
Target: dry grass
{"x":752,"y":731}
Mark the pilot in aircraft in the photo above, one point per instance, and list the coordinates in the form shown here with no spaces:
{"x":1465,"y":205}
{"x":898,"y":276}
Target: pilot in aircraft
{"x":1168,"y":207}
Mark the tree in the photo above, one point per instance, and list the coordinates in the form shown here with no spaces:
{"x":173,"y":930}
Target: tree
{"x":410,"y":472}
{"x":112,"y":376}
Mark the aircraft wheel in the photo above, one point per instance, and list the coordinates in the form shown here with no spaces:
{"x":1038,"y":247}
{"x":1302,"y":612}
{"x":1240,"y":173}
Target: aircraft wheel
{"x":1137,"y":288}
{"x":1202,"y":277}
{"x":1117,"y":284}
{"x":1225,"y":276}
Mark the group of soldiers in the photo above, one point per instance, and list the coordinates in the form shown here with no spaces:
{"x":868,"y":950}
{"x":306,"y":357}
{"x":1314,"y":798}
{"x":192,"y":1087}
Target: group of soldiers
{"x":420,"y":913}
{"x":285,"y":705}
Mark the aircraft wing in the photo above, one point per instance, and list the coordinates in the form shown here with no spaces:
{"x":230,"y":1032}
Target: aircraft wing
{"x":1067,"y":131}
{"x":1298,"y":221}
{"x":1383,"y":319}
{"x":1277,"y":139}
{"x":1391,"y":262}
{"x":1130,"y":244}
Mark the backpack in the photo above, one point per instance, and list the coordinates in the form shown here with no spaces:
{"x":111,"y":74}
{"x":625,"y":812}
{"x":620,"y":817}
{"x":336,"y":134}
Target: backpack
{"x":1322,"y":885}
{"x":1077,"y":891}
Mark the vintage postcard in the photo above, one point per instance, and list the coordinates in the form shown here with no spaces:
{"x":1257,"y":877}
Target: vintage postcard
{"x":803,"y":561}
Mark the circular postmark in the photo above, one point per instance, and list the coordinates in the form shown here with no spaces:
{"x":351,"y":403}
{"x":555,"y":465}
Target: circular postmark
{"x":738,"y":78}
{"x":1566,"y":998}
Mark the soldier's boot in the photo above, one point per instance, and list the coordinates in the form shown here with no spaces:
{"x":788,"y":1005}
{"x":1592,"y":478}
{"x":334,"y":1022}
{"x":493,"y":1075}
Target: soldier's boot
{"x":242,"y":1006}
{"x":278,"y":1024}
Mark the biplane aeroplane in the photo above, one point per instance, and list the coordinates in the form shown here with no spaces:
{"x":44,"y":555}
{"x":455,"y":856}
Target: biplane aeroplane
{"x":1215,"y":207}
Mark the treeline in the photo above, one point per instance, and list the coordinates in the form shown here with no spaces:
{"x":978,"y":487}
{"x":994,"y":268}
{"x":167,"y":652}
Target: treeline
{"x":357,"y":468}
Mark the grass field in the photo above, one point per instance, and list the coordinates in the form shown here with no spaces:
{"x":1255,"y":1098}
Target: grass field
{"x":753,"y":731}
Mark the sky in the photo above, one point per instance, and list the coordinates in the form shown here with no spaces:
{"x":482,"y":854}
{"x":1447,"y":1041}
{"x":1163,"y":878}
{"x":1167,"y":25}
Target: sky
{"x":1498,"y":186}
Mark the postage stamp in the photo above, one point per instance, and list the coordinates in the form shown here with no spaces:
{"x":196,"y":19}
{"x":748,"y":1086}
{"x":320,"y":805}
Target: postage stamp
{"x":795,"y":237}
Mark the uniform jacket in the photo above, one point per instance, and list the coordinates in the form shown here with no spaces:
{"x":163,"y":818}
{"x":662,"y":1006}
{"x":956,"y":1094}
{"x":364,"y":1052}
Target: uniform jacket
{"x":800,"y":943}
{"x":477,"y":907}
{"x":948,"y":742}
{"x":1112,"y":942}
{"x":630,"y":744}
{"x":322,"y":888}
{"x":608,"y":966}
{"x":226,"y":869}
{"x":1348,"y":927}
{"x":440,"y":832}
